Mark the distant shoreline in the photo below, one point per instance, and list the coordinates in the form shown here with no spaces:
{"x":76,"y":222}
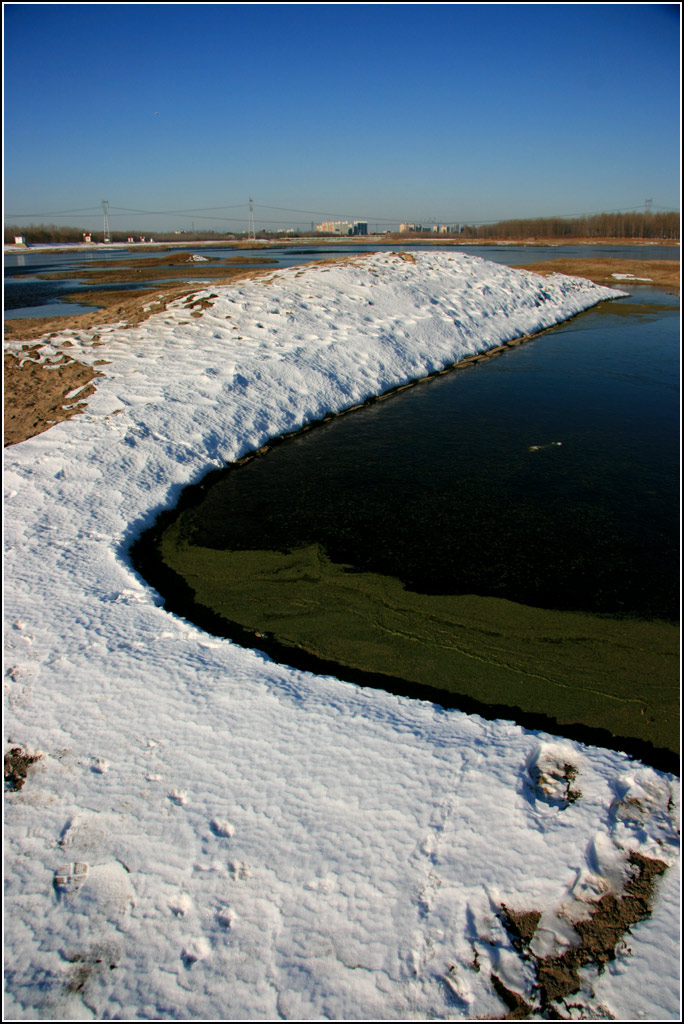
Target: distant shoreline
{"x":394,"y":239}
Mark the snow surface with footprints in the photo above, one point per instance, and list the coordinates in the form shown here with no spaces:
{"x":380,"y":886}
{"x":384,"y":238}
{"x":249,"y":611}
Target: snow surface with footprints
{"x":207,"y":834}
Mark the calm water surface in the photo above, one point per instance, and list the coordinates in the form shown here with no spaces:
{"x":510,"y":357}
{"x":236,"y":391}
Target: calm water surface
{"x":548,"y":476}
{"x":26,"y":294}
{"x":503,"y":539}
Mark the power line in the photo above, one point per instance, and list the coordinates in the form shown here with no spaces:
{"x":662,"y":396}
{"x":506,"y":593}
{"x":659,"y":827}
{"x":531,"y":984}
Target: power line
{"x":196,"y":212}
{"x":198,"y":209}
{"x":392,"y":220}
{"x":56,"y":213}
{"x":187,"y":216}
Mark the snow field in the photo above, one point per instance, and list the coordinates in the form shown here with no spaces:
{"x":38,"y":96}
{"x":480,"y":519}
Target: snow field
{"x":210,"y":835}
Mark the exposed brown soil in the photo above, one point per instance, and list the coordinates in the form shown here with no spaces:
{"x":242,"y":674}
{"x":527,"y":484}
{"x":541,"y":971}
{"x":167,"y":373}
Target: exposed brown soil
{"x":662,"y":273}
{"x":37,"y":393}
{"x":17,"y":764}
{"x":125,"y":272}
{"x":610,"y":917}
{"x":518,"y":1008}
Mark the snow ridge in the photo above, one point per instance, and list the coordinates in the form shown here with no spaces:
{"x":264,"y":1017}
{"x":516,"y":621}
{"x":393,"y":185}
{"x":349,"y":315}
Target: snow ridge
{"x":209,"y":835}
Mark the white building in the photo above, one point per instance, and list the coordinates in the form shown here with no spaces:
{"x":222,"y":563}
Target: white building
{"x":343,"y":227}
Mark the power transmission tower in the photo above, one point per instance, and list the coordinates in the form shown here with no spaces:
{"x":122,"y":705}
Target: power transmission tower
{"x":648,"y":204}
{"x":250,"y":227}
{"x":105,"y":207}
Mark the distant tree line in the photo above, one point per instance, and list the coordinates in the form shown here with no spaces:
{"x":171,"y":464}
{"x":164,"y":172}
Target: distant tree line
{"x":598,"y":225}
{"x":647,"y":225}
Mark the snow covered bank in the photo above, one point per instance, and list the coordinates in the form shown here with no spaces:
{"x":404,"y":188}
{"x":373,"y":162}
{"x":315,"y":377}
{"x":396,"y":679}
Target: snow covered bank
{"x":210,"y":835}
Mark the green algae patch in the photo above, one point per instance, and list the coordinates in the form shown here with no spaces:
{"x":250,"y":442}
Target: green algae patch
{"x":620,"y":675}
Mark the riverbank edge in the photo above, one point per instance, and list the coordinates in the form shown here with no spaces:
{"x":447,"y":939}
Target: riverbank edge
{"x":145,"y":558}
{"x":396,"y":238}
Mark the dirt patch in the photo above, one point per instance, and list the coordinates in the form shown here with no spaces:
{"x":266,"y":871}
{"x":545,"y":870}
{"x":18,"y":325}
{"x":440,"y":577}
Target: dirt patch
{"x":17,"y":764}
{"x":39,"y":394}
{"x":126,"y":275}
{"x":127,"y":271}
{"x":610,"y":917}
{"x":117,"y":306}
{"x":662,"y":273}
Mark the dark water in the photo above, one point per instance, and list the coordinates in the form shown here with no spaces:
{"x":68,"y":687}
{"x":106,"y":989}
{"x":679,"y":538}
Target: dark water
{"x":26,"y":295}
{"x":548,"y":476}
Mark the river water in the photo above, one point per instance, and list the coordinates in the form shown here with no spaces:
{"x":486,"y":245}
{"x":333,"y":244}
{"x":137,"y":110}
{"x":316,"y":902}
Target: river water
{"x":26,"y":294}
{"x":548,"y":476}
{"x":508,"y":534}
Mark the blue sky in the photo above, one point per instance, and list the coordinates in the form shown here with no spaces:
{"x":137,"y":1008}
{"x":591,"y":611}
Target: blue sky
{"x":386,"y":112}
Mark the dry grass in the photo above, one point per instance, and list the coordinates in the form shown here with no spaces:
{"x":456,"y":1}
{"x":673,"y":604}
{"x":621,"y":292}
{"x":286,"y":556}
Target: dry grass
{"x":663,"y":273}
{"x":125,"y":273}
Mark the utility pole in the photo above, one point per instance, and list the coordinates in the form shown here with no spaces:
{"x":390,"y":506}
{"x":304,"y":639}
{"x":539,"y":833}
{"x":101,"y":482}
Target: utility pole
{"x":250,"y":227}
{"x":105,"y":207}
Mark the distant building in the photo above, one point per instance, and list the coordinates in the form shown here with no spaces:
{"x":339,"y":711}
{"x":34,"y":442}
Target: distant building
{"x":435,"y":229}
{"x":20,"y":239}
{"x":87,"y":237}
{"x":343,"y":227}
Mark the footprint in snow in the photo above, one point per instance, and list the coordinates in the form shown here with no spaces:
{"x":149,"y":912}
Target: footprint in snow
{"x":238,"y":870}
{"x":226,"y":918}
{"x":101,"y":891}
{"x":551,"y":775}
{"x":221,"y":827}
{"x":180,"y":904}
{"x":70,"y":877}
{"x":194,"y":951}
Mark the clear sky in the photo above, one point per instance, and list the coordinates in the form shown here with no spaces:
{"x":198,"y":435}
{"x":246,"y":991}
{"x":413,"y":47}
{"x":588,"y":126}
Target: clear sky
{"x":384,"y":112}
